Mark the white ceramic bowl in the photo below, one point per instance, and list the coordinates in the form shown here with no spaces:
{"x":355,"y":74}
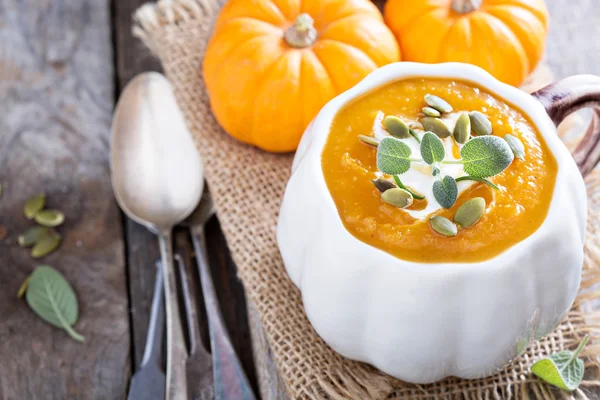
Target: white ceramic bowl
{"x":423,"y":322}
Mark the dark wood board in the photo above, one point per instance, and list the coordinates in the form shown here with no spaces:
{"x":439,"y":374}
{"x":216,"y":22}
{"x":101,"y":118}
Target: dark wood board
{"x":56,"y":100}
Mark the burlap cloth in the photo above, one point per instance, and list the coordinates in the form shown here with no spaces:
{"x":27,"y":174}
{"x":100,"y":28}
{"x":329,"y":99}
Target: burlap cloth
{"x":248,"y":184}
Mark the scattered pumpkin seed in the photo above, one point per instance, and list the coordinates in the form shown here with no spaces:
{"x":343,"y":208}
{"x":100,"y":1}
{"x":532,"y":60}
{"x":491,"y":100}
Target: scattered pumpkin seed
{"x":31,"y":236}
{"x":46,"y":244}
{"x":383,"y":184}
{"x":397,"y":197}
{"x":23,"y":287}
{"x":438,"y":103}
{"x":370,"y":140}
{"x":470,"y":212}
{"x":480,"y":124}
{"x":396,"y":127}
{"x":436,"y":126}
{"x":50,"y":218}
{"x":431,"y":112}
{"x":462,"y":129}
{"x":443,"y":226}
{"x":515,"y":145}
{"x":33,"y":205}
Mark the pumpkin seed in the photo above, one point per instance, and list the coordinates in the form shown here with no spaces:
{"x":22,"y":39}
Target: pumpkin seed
{"x":370,"y":140}
{"x":480,"y":124}
{"x":443,"y":225}
{"x":50,"y":218}
{"x":438,"y":103}
{"x":462,"y":129}
{"x":33,"y":205}
{"x":31,"y":236}
{"x":396,"y":127}
{"x":397,"y":197}
{"x":0,"y":191}
{"x":470,"y":212}
{"x":516,"y":146}
{"x":383,"y":184}
{"x":436,"y":126}
{"x":46,"y":244}
{"x":431,"y":112}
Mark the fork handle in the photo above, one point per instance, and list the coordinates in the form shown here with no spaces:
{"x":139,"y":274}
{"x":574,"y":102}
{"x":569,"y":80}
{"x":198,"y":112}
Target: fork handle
{"x":230,"y":382}
{"x":176,"y":385}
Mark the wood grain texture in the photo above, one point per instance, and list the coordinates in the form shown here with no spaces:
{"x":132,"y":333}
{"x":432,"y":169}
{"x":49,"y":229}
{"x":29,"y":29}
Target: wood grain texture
{"x":56,"y":100}
{"x":131,"y":58}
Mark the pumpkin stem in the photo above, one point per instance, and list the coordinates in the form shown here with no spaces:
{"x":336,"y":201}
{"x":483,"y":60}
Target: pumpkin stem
{"x":466,"y":6}
{"x":302,"y":33}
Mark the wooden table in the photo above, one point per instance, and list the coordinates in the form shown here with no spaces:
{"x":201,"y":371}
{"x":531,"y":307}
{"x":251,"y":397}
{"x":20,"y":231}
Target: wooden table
{"x":62,"y":65}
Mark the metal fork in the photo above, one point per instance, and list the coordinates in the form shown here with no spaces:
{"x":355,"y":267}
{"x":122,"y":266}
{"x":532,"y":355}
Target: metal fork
{"x":148,"y":382}
{"x":198,"y":366}
{"x":230,"y":381}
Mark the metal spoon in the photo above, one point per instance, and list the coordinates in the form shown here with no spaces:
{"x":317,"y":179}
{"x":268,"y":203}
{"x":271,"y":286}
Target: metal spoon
{"x":157,"y":178}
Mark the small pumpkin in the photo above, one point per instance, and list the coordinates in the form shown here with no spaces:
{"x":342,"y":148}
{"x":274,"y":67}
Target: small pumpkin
{"x":504,"y":37}
{"x":271,"y":65}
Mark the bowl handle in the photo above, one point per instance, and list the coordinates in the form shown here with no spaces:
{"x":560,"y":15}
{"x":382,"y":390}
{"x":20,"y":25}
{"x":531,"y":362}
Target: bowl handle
{"x":569,"y":95}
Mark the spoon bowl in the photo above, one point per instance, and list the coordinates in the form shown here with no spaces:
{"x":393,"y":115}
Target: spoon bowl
{"x":157,"y":173}
{"x":157,"y":179}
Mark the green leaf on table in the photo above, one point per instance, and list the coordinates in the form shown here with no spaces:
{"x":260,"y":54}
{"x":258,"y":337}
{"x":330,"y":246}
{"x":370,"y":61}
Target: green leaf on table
{"x":445,"y":191}
{"x":393,"y":156}
{"x":51,"y":297}
{"x":563,"y":369}
{"x":432,"y":148}
{"x":486,"y":156}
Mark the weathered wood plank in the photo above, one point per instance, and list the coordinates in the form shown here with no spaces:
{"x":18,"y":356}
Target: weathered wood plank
{"x":142,"y":249}
{"x":131,"y":58}
{"x":56,"y":98}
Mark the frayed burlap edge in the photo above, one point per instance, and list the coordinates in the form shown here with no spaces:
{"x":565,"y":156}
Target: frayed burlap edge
{"x":248,"y":186}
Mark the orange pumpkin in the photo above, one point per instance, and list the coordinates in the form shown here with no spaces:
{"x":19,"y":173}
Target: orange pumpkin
{"x":272,"y":64}
{"x":504,"y":37}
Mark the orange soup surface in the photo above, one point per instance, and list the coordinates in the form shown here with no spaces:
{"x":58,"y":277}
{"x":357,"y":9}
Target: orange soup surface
{"x":513,"y":213}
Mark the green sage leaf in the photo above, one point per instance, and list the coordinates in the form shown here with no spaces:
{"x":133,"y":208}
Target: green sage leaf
{"x":445,"y":191}
{"x":51,"y":297}
{"x":486,"y":156}
{"x":393,"y":156}
{"x":563,"y":369}
{"x":432,"y":148}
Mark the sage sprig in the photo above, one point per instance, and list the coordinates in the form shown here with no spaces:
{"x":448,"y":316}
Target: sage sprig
{"x":563,"y":369}
{"x":52,"y":298}
{"x":402,"y":186}
{"x":482,"y":157}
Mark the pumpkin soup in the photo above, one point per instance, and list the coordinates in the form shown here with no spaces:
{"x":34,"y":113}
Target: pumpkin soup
{"x":436,"y":170}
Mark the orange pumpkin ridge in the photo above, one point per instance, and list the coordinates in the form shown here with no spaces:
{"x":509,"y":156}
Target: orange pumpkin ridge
{"x":271,"y":65}
{"x":504,"y":37}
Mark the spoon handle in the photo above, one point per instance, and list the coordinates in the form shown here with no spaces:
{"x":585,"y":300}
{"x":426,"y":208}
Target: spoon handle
{"x":176,"y":351}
